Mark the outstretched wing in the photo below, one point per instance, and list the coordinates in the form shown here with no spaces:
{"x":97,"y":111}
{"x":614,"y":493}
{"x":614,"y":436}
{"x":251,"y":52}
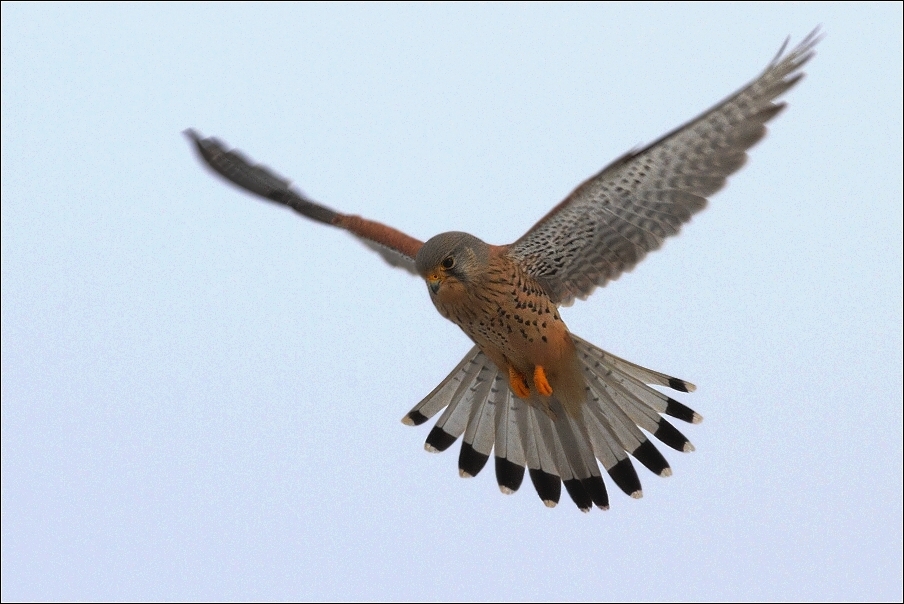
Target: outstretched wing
{"x":609,"y":223}
{"x":397,"y":248}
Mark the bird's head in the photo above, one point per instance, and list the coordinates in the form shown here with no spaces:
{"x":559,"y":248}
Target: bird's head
{"x":450,"y":261}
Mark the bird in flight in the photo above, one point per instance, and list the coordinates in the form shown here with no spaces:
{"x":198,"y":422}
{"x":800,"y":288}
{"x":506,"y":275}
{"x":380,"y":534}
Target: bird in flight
{"x":530,"y":392}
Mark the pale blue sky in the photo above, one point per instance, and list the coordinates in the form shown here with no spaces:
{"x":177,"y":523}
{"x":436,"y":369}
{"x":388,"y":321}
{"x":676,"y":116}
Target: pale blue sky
{"x":201,"y":393}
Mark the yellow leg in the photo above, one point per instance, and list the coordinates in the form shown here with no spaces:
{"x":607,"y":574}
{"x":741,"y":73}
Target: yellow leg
{"x":541,"y":382}
{"x":518,"y":384}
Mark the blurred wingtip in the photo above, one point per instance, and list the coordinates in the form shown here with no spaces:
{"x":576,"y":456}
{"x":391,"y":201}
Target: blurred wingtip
{"x":194,"y":136}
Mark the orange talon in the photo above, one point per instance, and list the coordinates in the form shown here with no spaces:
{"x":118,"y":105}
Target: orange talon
{"x":518,"y":384}
{"x":541,"y":382}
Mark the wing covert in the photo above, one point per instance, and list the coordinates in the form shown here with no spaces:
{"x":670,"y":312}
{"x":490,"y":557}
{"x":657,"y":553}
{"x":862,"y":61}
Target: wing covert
{"x":609,"y":223}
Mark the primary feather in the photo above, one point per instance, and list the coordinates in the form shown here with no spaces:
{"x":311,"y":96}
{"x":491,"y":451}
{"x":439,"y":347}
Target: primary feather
{"x":610,"y":222}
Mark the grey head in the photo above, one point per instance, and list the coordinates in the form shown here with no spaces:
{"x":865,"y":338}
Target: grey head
{"x":453,"y":254}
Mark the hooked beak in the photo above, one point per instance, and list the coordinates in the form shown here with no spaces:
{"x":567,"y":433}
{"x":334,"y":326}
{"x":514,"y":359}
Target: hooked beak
{"x":434,"y":282}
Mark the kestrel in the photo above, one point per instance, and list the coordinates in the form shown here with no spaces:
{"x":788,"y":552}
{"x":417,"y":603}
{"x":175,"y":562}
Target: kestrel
{"x":529,"y":391}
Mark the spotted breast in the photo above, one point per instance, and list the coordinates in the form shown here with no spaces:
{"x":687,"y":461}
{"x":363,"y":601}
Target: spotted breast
{"x":507,"y":314}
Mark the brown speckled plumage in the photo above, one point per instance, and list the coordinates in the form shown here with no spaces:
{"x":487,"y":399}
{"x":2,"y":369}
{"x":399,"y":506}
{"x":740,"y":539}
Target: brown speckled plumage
{"x":506,"y":313}
{"x":530,"y":392}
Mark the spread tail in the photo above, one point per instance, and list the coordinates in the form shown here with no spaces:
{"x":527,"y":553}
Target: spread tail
{"x":555,"y":446}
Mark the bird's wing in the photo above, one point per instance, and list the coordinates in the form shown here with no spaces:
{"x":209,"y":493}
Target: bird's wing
{"x":557,"y":448}
{"x":609,"y":223}
{"x":397,"y":248}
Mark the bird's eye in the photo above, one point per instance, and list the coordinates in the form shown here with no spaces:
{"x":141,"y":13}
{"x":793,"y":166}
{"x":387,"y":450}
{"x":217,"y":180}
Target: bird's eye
{"x":448,"y":263}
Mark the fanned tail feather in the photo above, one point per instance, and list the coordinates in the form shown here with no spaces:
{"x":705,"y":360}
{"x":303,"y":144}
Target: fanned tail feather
{"x":557,"y":447}
{"x":510,"y":457}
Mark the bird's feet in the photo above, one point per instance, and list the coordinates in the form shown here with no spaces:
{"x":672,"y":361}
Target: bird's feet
{"x":541,"y":382}
{"x":518,"y":383}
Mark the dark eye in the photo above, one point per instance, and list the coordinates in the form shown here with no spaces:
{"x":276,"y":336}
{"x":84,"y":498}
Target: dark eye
{"x":448,"y":263}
